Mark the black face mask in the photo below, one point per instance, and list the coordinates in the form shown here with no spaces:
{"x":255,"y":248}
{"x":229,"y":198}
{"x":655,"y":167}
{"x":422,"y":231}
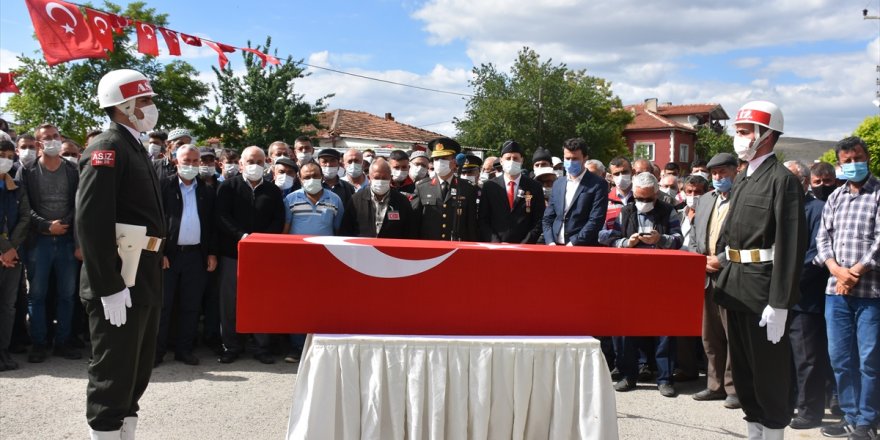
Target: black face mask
{"x":823,"y":191}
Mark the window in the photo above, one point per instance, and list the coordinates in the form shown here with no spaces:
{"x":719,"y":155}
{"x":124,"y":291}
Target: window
{"x":643,"y":150}
{"x":684,"y":153}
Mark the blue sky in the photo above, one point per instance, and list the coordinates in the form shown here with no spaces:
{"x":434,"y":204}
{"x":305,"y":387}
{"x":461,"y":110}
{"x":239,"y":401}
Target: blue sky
{"x":815,"y":58}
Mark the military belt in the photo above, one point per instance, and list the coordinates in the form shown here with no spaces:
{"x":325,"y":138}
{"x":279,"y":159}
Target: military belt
{"x":745,"y":256}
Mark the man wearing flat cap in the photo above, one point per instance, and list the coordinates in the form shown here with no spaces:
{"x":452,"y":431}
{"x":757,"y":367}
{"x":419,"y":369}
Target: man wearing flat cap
{"x":446,"y":204}
{"x":328,"y":159}
{"x":511,"y":205}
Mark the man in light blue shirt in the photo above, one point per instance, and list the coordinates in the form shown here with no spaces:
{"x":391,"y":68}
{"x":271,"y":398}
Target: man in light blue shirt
{"x":312,"y":210}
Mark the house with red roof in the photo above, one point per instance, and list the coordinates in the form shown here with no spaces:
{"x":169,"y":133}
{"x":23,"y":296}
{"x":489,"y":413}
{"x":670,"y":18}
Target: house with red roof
{"x":345,"y":129}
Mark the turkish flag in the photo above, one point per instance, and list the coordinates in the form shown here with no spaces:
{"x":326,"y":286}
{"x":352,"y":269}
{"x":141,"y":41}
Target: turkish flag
{"x":171,"y":41}
{"x":102,"y":27}
{"x":147,"y":43}
{"x":263,"y":57}
{"x":7,"y":83}
{"x":62,"y":31}
{"x":119,"y":23}
{"x":191,"y":40}
{"x":220,"y":48}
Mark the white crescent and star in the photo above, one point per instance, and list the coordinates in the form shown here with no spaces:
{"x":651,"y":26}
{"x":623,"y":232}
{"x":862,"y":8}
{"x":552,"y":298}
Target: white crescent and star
{"x":370,"y":261}
{"x":103,"y":30}
{"x":148,"y":28}
{"x":52,"y":6}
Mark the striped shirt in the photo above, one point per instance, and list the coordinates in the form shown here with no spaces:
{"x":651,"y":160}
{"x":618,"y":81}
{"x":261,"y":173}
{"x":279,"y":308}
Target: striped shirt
{"x":850,"y":234}
{"x":306,"y":218}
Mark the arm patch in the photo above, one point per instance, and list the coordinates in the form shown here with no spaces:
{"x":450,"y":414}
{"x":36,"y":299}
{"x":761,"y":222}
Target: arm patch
{"x":104,"y":158}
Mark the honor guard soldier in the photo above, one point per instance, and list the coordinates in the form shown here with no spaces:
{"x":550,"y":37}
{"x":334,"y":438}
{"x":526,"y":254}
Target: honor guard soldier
{"x":446,"y":204}
{"x":119,"y":216}
{"x":766,"y":236}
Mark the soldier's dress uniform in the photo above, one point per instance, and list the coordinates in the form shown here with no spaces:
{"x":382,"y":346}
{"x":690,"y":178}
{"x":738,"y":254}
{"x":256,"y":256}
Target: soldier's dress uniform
{"x":118,"y":184}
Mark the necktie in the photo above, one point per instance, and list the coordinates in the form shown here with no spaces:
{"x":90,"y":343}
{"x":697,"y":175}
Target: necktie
{"x":444,"y":189}
{"x":510,"y":186}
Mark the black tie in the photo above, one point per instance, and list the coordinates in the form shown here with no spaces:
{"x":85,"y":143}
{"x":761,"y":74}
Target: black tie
{"x":444,"y":188}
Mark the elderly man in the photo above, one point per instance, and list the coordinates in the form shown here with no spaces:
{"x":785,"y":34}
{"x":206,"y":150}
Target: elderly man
{"x":640,"y":166}
{"x":277,"y":149}
{"x":512,"y":205}
{"x":208,"y":167}
{"x":419,"y":164}
{"x":709,"y":216}
{"x":823,"y":180}
{"x":487,"y":171}
{"x":167,"y":165}
{"x":246,"y":203}
{"x":546,"y":177}
{"x":190,"y":253}
{"x":353,"y":161}
{"x":286,"y":175}
{"x":303,"y":150}
{"x":578,"y":203}
{"x":382,"y":211}
{"x":312,"y":210}
{"x":596,"y":167}
{"x":849,"y":245}
{"x":329,"y":159}
{"x":398,"y":160}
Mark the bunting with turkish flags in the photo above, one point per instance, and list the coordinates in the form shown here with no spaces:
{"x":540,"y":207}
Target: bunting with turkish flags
{"x":147,"y":43}
{"x":63,"y":32}
{"x":119,"y":23}
{"x":262,"y":56}
{"x":191,"y":40}
{"x":171,"y":41}
{"x":220,"y":48}
{"x":7,"y":83}
{"x":102,"y":27}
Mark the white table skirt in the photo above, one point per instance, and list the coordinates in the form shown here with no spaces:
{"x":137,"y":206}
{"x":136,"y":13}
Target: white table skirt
{"x":401,"y":387}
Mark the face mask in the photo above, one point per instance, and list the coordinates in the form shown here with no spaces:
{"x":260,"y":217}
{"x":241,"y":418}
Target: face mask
{"x":253,"y":172}
{"x":229,"y":169}
{"x":669,"y":191}
{"x":559,"y":173}
{"x":312,"y":186}
{"x":417,"y":172}
{"x":623,"y":181}
{"x":511,"y":167}
{"x":368,"y":159}
{"x":154,"y":149}
{"x":644,"y":207}
{"x":399,"y":175}
{"x":151,"y":116}
{"x":471,"y":179}
{"x":691,"y":201}
{"x":340,"y":173}
{"x":573,"y":167}
{"x":441,"y":167}
{"x":723,"y":185}
{"x":27,"y":157}
{"x":484,"y":176}
{"x":283,"y":181}
{"x":52,"y":148}
{"x":206,"y":171}
{"x":823,"y":191}
{"x":380,"y":187}
{"x":5,"y":165}
{"x":703,"y":175}
{"x":855,"y":171}
{"x":547,"y":192}
{"x":303,"y":157}
{"x":187,"y":172}
{"x":355,"y":170}
{"x":432,"y":174}
{"x":330,"y":172}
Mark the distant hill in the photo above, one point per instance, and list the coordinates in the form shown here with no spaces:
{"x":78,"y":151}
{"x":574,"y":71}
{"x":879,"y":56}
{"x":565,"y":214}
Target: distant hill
{"x":807,"y":150}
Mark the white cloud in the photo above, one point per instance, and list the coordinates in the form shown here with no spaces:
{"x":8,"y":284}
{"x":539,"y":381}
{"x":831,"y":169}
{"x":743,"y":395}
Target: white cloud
{"x":746,"y":62}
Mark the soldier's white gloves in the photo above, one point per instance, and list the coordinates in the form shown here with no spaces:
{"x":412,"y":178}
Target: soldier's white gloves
{"x":115,"y":305}
{"x":774,"y":319}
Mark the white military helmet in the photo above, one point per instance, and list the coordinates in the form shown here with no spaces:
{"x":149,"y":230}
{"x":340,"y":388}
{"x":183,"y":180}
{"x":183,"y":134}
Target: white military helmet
{"x":762,"y":113}
{"x":120,"y":86}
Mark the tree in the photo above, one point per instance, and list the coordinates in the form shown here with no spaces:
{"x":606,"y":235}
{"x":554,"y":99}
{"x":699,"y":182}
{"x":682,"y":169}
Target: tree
{"x":64,"y":95}
{"x":869,"y":131}
{"x":259,"y":107}
{"x":711,"y":142}
{"x":829,"y":156}
{"x":542,"y":104}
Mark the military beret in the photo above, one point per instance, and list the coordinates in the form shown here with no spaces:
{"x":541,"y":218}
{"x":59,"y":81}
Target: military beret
{"x":329,"y":152}
{"x":541,"y":154}
{"x":511,"y":147}
{"x":444,"y":147}
{"x":722,"y":159}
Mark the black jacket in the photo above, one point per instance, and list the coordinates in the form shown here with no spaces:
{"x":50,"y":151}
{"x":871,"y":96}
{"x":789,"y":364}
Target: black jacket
{"x":498,"y":223}
{"x":242,"y":210}
{"x":439,"y":217}
{"x":342,"y":189}
{"x":172,"y":198}
{"x":359,"y":219}
{"x":814,"y":278}
{"x":30,"y":180}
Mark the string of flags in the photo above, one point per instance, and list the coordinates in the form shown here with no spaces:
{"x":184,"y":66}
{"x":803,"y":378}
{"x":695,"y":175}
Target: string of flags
{"x":66,"y":33}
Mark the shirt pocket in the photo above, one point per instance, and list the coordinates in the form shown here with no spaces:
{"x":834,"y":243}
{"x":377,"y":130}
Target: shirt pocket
{"x":756,"y":210}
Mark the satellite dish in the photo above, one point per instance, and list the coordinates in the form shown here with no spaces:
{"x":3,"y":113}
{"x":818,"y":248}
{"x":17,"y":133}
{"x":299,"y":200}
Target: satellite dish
{"x":693,"y":120}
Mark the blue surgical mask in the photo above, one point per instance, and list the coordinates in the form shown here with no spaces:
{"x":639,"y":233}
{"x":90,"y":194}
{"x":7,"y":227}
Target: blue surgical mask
{"x":722,"y":185}
{"x":855,"y":171}
{"x":573,"y":167}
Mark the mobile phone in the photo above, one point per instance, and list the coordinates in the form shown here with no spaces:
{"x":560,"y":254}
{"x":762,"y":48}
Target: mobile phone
{"x":644,"y":234}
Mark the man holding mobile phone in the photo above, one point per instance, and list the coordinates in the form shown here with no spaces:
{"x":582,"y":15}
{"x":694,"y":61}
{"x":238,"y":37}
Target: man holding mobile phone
{"x":647,"y":223}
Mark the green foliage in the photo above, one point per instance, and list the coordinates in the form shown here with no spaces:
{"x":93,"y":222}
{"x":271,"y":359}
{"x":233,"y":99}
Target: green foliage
{"x":259,"y":107}
{"x":711,"y":142}
{"x":542,"y":104}
{"x":829,"y":157}
{"x":869,"y":131}
{"x":65,"y":95}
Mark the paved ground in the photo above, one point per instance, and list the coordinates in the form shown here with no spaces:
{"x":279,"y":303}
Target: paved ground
{"x":248,"y":400}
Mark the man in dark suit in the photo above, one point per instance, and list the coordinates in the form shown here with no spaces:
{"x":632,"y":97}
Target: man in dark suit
{"x":190,"y":253}
{"x":118,"y":185}
{"x":766,"y":235}
{"x":380,"y":211}
{"x":576,"y":212}
{"x":511,"y":205}
{"x":446,"y":204}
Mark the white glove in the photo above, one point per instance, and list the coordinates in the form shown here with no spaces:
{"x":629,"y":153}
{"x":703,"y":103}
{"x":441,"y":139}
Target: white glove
{"x":114,"y":306}
{"x":774,"y":319}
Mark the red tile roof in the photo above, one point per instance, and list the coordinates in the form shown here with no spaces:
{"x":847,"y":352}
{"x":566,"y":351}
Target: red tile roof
{"x":363,"y":125}
{"x":648,"y":120}
{"x":692,"y":109}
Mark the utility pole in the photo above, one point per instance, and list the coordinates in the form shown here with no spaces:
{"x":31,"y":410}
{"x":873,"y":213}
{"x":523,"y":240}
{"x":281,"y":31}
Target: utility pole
{"x":876,"y":100}
{"x":541,"y":114}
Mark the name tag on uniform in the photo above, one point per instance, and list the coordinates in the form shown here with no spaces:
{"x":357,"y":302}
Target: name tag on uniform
{"x":393,"y":215}
{"x":103,"y":158}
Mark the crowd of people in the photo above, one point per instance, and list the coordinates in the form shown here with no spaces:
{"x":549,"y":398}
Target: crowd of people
{"x":215,"y":197}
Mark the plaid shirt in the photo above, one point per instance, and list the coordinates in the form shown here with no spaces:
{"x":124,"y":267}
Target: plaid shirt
{"x":850,"y":233}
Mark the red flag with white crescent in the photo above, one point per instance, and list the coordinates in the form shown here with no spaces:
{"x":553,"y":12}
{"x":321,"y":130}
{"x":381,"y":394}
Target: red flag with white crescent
{"x":258,"y":54}
{"x":102,"y":27}
{"x":220,"y":48}
{"x":147,"y":43}
{"x":119,"y":23}
{"x":7,"y":83}
{"x":191,"y":40}
{"x":171,"y":41}
{"x":63,"y":32}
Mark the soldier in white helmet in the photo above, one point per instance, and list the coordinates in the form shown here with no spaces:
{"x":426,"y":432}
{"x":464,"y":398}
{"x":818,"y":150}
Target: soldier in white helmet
{"x":118,"y":185}
{"x":766,"y":236}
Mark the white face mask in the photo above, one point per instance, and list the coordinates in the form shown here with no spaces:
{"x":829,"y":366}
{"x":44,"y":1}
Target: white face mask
{"x":27,"y":157}
{"x":670,"y":191}
{"x":52,"y":147}
{"x":744,"y":147}
{"x":151,"y":116}
{"x":380,"y":187}
{"x":187,"y":172}
{"x":283,"y":181}
{"x":206,"y":171}
{"x":303,"y":156}
{"x":355,"y":170}
{"x":623,"y":181}
{"x":399,"y":175}
{"x":5,"y":165}
{"x":559,"y":173}
{"x":703,"y":175}
{"x":330,"y":172}
{"x":154,"y":149}
{"x":368,"y":159}
{"x":511,"y":167}
{"x":644,"y":207}
{"x":72,"y":159}
{"x":228,"y":168}
{"x":691,"y":201}
{"x":340,"y":173}
{"x":432,"y":174}
{"x":253,"y":172}
{"x":312,"y":186}
{"x":441,"y":167}
{"x":417,"y":172}
{"x":484,"y":176}
{"x":471,"y":179}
